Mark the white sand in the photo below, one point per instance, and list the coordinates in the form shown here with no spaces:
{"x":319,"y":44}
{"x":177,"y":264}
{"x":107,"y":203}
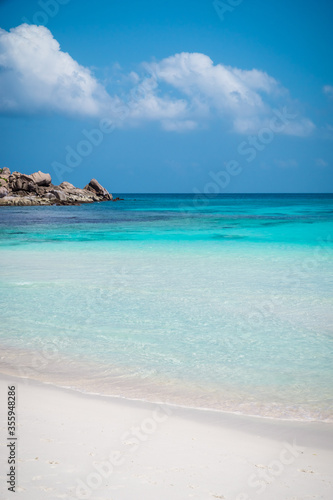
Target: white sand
{"x":79,"y":446}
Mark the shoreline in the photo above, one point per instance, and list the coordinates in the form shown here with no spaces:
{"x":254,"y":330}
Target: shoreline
{"x":174,"y":399}
{"x":70,"y":442}
{"x":47,"y":366}
{"x":115,"y":398}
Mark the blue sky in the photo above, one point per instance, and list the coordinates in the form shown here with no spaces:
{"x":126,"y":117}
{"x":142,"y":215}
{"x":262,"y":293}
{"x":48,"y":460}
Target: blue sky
{"x":168,"y":96}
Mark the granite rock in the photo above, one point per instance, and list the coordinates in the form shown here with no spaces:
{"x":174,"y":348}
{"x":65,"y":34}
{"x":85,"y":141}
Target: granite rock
{"x":37,"y":189}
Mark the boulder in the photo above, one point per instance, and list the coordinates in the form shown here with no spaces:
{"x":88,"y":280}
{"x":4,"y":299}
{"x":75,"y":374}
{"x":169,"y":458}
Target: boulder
{"x":60,"y":195}
{"x":41,"y":179}
{"x":96,"y":187}
{"x":50,"y":196}
{"x":22,"y":183}
{"x":42,"y":190}
{"x":26,"y":177}
{"x":67,"y":186}
{"x":4,"y":181}
{"x":4,"y":176}
{"x":3,"y":191}
{"x":5,"y":172}
{"x":16,"y":184}
{"x":32,"y":187}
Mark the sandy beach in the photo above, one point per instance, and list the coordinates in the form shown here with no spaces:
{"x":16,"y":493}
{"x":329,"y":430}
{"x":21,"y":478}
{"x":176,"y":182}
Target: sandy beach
{"x":72,"y":445}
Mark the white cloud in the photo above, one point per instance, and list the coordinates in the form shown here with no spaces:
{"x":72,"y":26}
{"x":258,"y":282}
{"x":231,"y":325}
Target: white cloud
{"x":300,"y":127}
{"x":35,"y":75}
{"x":227,"y":89}
{"x":181,"y":92}
{"x":144,"y":103}
{"x":328,"y":90}
{"x":243,"y":98}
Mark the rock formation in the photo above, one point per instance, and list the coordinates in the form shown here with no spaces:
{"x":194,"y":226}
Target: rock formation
{"x":37,"y":189}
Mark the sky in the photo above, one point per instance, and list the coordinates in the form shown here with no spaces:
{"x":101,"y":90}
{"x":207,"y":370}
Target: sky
{"x":231,"y":96}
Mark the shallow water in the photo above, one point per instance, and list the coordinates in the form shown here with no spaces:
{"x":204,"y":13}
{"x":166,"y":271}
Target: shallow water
{"x":220,"y":302}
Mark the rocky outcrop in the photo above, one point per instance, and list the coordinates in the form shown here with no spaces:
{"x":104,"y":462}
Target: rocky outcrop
{"x":41,"y":179}
{"x":3,"y":192}
{"x":37,"y":189}
{"x":95,"y":187}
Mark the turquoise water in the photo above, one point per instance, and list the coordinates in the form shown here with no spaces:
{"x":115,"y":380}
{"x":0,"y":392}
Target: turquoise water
{"x":220,"y":302}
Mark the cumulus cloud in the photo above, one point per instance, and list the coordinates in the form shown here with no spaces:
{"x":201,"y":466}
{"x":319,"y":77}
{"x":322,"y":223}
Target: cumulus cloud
{"x":227,"y":90}
{"x":181,"y":92}
{"x":145,"y":103}
{"x":241,"y":97}
{"x":35,"y":75}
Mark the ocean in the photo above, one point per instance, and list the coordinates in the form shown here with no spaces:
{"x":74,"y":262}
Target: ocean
{"x":218,"y":302}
